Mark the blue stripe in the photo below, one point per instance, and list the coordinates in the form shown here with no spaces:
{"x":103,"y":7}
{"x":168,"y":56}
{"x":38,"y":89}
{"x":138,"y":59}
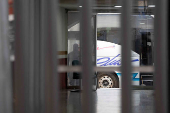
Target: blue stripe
{"x":135,"y":60}
{"x":133,"y":76}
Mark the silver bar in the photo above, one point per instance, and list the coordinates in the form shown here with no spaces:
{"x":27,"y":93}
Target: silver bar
{"x":37,"y":40}
{"x":22,"y":56}
{"x":143,"y":69}
{"x":104,"y":69}
{"x":160,"y":56}
{"x":6,"y":100}
{"x":26,"y":81}
{"x":31,"y":51}
{"x":49,"y":60}
{"x":126,"y":56}
{"x":95,"y":39}
{"x":86,"y":38}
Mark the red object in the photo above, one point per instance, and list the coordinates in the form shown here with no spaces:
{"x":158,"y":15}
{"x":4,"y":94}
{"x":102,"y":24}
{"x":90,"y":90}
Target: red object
{"x":11,"y":9}
{"x":63,"y":76}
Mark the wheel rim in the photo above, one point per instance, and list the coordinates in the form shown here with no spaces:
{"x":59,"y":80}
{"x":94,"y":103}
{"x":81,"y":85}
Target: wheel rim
{"x":105,"y":82}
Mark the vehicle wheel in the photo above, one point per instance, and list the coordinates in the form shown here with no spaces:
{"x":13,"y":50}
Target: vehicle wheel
{"x":108,"y":80}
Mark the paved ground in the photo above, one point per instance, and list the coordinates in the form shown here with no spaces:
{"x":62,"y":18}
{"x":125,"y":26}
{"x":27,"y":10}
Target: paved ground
{"x":108,"y":101}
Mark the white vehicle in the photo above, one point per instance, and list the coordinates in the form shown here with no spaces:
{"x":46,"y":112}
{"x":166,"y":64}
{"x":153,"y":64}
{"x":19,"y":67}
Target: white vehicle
{"x":109,"y":55}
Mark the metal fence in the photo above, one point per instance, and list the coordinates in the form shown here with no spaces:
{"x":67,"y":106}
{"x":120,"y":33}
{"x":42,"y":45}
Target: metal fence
{"x":35,"y":34}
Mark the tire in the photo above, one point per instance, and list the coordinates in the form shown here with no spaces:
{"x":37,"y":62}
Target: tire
{"x":108,"y":80}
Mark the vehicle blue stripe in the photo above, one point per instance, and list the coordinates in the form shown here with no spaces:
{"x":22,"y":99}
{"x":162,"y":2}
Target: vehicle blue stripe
{"x":133,"y":76}
{"x":135,"y":60}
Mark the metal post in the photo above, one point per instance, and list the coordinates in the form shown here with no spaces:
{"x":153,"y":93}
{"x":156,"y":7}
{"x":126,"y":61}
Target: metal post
{"x":6,"y":100}
{"x":31,"y":59}
{"x":37,"y":76}
{"x":26,"y":77}
{"x":22,"y":56}
{"x":86,"y":38}
{"x":160,"y":56}
{"x":48,"y":54}
{"x":126,"y":55}
{"x":95,"y":39}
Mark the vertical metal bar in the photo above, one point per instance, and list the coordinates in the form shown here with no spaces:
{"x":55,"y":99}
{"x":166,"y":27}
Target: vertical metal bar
{"x":86,"y":56}
{"x":160,"y":54}
{"x":37,"y":56}
{"x":49,"y":77}
{"x":6,"y":102}
{"x":126,"y":56}
{"x":22,"y":56}
{"x":95,"y":39}
{"x":31,"y":66}
{"x":27,"y":56}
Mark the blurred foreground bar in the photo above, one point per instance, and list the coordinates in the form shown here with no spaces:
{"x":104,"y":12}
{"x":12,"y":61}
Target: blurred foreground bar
{"x":87,"y":70}
{"x":160,"y":53}
{"x":126,"y":55}
{"x":36,"y":79}
{"x":6,"y":100}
